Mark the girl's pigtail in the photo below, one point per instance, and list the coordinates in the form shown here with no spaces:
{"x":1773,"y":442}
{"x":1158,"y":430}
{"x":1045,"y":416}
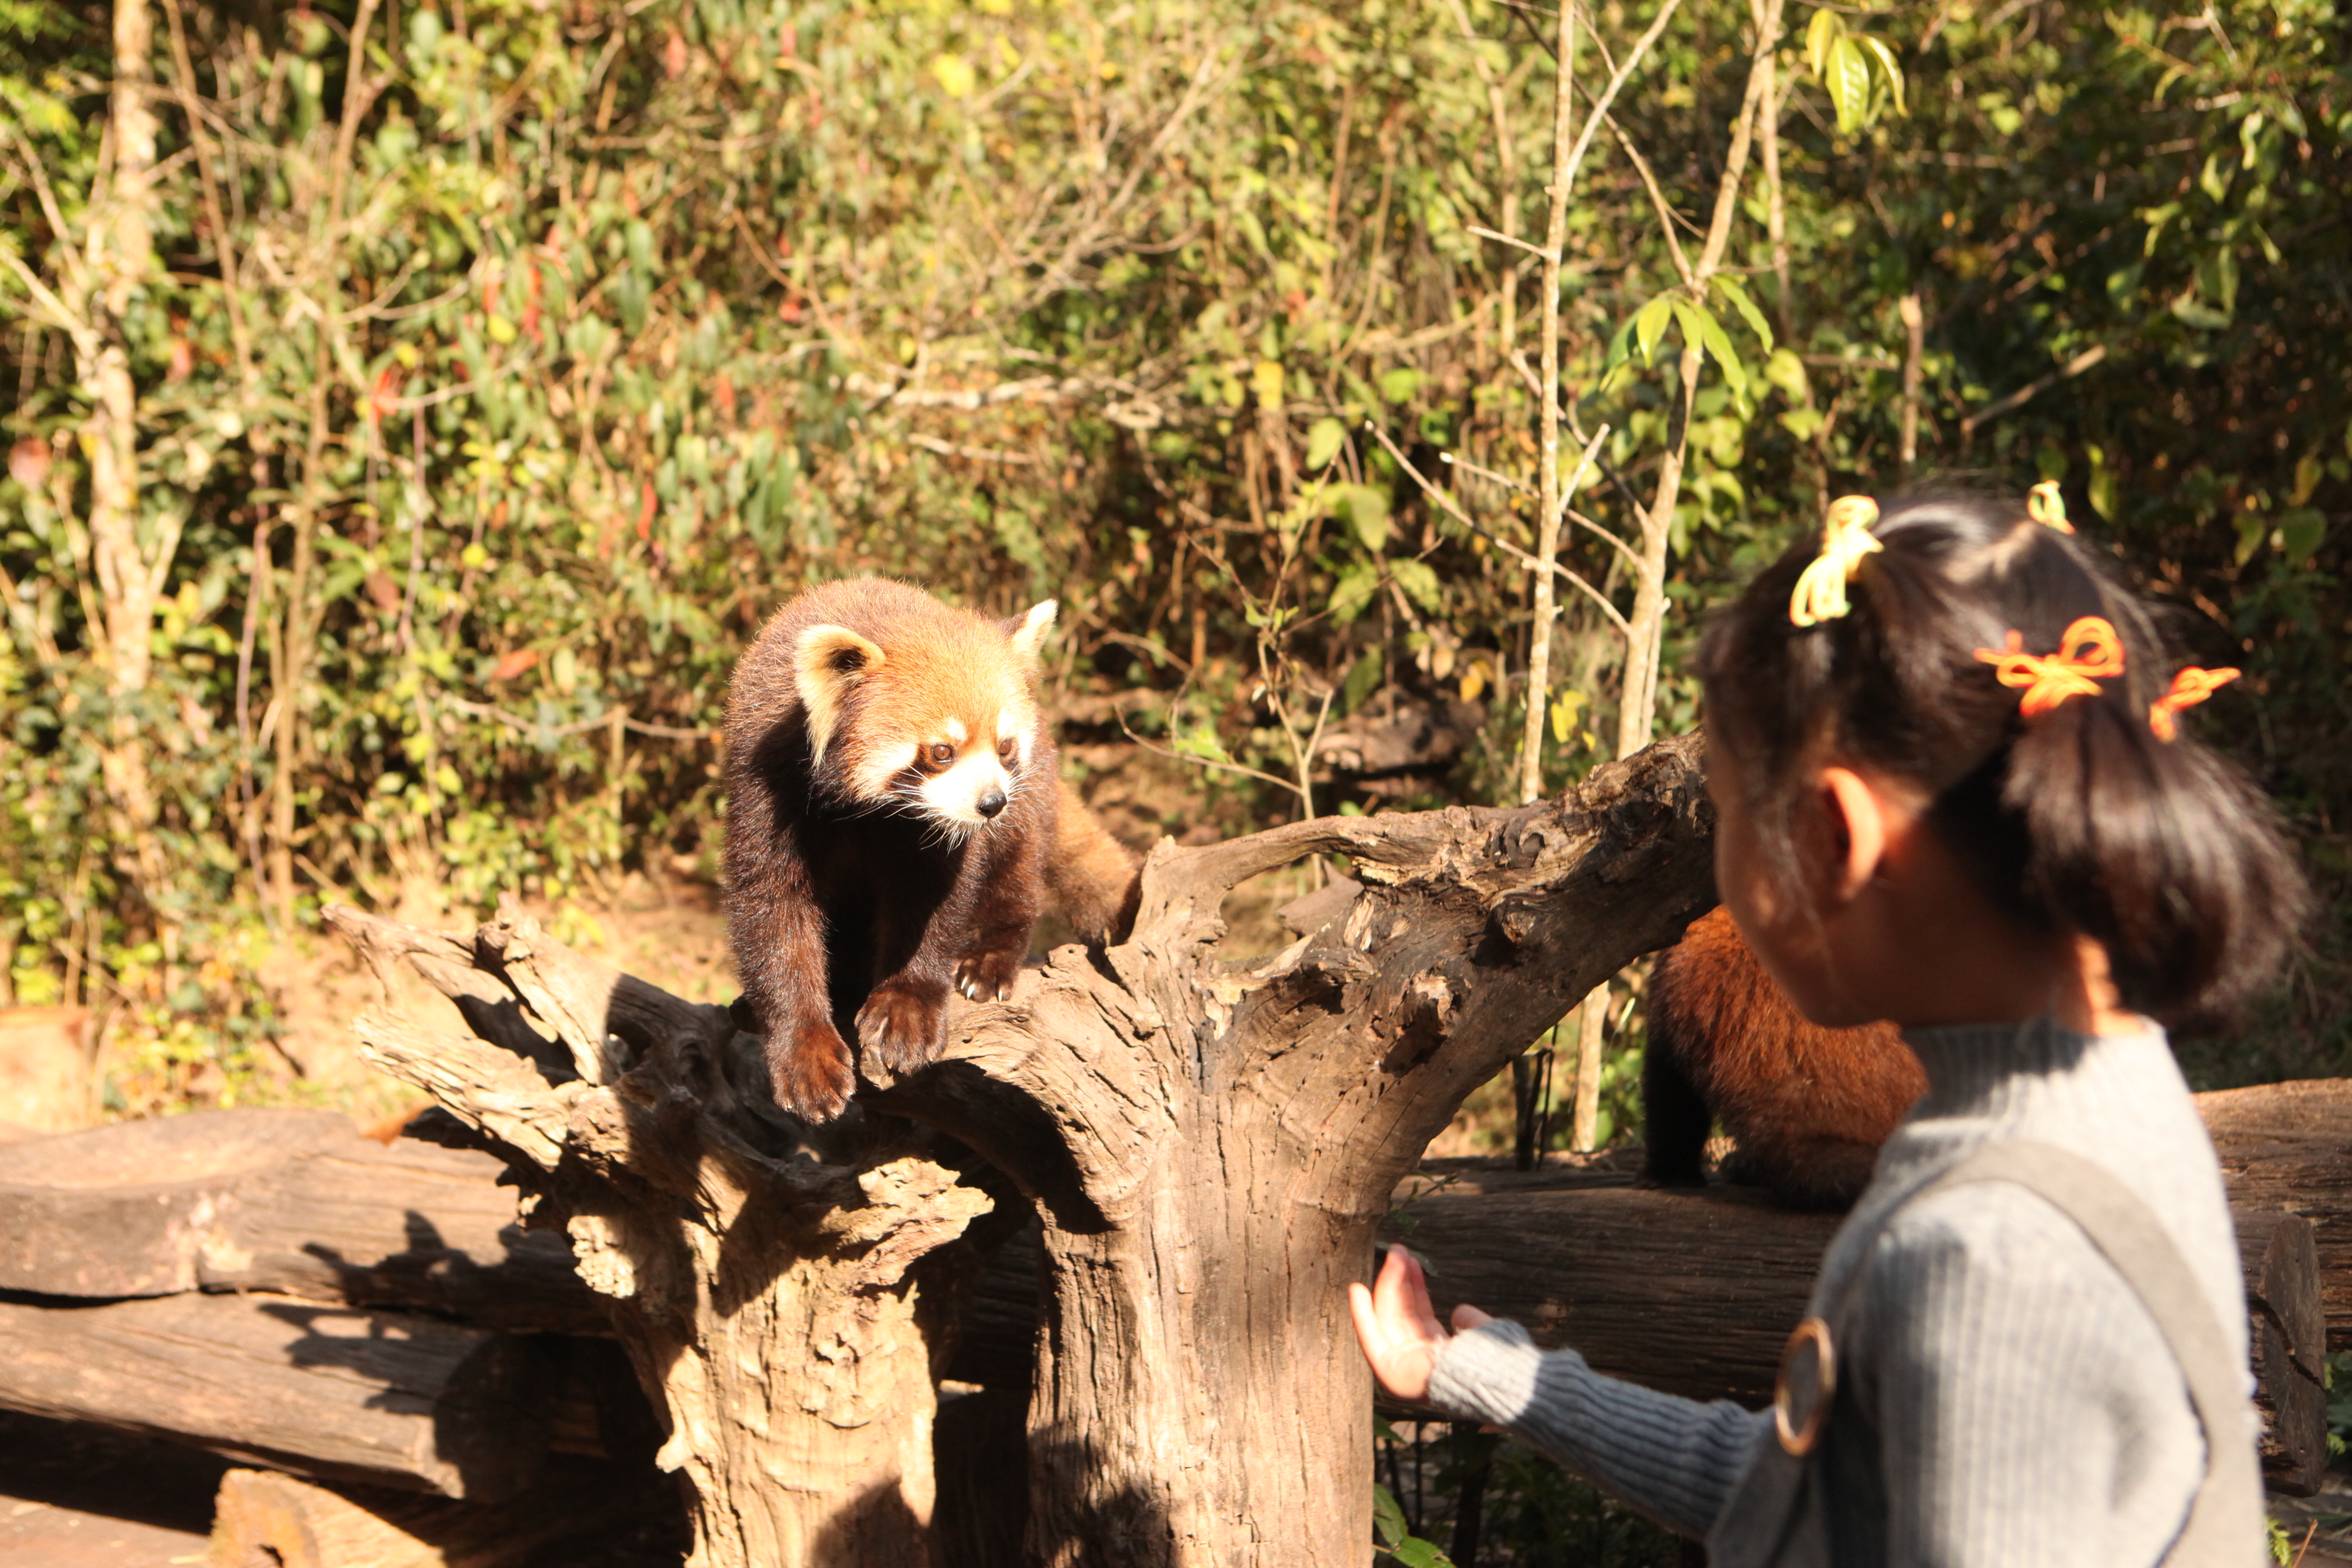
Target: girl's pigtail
{"x":2165,"y":855}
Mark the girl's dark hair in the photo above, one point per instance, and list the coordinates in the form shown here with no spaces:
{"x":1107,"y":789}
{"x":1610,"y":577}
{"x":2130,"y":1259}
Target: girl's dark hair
{"x":2077,"y":819}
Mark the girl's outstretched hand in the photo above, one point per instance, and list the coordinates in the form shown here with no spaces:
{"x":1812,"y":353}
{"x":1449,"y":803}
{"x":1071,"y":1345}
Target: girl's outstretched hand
{"x":1398,"y":1328}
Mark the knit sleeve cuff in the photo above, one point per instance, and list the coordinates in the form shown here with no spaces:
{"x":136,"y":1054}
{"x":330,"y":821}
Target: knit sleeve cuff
{"x":1486,"y":1373}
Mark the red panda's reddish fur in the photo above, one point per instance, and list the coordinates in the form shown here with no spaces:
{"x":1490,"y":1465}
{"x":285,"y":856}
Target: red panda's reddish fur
{"x":893,"y":823}
{"x":1807,"y":1107}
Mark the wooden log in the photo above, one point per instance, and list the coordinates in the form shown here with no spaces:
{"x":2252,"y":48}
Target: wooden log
{"x":2289,"y":1146}
{"x":1694,"y":1292}
{"x":265,"y":1520}
{"x":294,"y":1201}
{"x":389,"y":1398}
{"x":2290,"y":1343}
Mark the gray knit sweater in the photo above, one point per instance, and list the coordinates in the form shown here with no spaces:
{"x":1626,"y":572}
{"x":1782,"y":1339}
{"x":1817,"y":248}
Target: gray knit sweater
{"x":2011,"y":1402}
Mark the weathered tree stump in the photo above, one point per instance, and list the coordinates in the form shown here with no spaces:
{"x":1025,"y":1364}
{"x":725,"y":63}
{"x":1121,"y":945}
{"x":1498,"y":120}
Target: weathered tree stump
{"x":783,"y":1309}
{"x":1210,"y":1144}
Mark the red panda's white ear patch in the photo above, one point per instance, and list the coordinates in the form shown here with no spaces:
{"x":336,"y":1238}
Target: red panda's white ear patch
{"x":1030,"y":634}
{"x":828,"y":661}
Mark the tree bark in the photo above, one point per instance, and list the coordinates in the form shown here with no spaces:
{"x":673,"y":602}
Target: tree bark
{"x":780,"y":1299}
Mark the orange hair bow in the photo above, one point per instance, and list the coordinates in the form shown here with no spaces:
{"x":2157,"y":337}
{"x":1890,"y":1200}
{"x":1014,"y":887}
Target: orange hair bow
{"x":1819,"y":593}
{"x":2088,"y":653}
{"x":2046,"y":506}
{"x":2189,"y":688}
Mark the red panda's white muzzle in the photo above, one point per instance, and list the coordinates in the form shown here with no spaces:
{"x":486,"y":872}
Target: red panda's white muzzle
{"x":969,"y":795}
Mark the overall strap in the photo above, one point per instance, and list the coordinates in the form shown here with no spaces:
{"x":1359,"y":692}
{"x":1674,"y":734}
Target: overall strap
{"x":2225,"y":1519}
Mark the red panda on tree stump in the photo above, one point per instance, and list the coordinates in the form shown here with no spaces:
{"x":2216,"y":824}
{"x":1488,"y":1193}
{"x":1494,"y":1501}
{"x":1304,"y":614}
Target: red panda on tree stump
{"x":895,"y":820}
{"x":1807,"y":1107}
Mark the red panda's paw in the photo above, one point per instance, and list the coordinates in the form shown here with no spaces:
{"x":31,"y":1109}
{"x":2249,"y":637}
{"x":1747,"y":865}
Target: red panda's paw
{"x":904,"y":1023}
{"x":811,"y":1069}
{"x":987,"y":976}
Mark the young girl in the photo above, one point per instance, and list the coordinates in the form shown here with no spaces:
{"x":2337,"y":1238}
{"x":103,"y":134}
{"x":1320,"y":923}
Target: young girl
{"x":1952,"y":791}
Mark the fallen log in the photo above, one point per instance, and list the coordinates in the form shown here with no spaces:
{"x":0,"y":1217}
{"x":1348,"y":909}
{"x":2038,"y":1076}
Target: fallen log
{"x":265,"y":1520}
{"x":293,"y":1201}
{"x":2289,"y":1146}
{"x":2290,"y":1336}
{"x":388,"y":1399}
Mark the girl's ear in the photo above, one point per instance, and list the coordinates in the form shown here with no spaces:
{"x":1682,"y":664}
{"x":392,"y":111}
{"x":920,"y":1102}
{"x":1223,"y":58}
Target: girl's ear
{"x":1856,"y":823}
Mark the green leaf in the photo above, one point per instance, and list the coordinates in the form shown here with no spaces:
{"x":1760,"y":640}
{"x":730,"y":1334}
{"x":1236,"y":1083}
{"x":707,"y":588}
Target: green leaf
{"x":1650,"y":326}
{"x":1821,"y":34}
{"x":1400,"y":383}
{"x":1363,"y":677}
{"x":1787,"y":372}
{"x":2300,"y":532}
{"x":1718,"y":342}
{"x":2250,"y":526}
{"x":1731,"y":289}
{"x":1366,"y":507}
{"x":1804,"y":423}
{"x":1849,"y":85}
{"x":2102,"y":493}
{"x":2212,"y":180}
{"x":1414,"y":1552}
{"x":1619,"y":347}
{"x":1420,"y":583}
{"x":1324,"y":441}
{"x":1388,"y":1518}
{"x":1890,"y":68}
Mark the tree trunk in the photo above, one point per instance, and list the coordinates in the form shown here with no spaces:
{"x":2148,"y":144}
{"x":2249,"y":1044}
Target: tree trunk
{"x":1211,"y":1145}
{"x":131,"y":569}
{"x":780,"y":1299}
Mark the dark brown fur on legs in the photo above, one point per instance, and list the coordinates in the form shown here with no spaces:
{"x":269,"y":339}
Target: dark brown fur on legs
{"x":1807,"y":1107}
{"x":892,"y":811}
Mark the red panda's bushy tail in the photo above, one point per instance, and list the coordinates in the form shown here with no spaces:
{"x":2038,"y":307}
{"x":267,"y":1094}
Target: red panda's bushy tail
{"x":1090,"y":876}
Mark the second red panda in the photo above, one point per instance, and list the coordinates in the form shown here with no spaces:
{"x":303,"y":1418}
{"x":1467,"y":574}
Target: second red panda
{"x":895,"y":821}
{"x":1807,"y":1107}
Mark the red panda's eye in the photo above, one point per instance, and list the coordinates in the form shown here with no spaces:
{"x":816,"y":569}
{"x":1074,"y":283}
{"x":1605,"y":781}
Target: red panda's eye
{"x":941,"y":753}
{"x":1004,"y":748}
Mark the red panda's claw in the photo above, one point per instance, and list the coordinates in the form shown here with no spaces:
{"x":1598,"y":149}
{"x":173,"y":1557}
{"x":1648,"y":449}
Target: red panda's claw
{"x":903,"y":1025}
{"x":987,"y":976}
{"x":811,"y":1073}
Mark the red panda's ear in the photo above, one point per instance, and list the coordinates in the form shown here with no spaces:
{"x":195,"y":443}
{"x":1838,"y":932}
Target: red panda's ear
{"x":828,"y":661}
{"x":1028,"y":633}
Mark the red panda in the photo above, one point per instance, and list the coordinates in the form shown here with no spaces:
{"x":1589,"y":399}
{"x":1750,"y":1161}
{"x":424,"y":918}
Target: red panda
{"x":1807,"y":1107}
{"x":894,"y":821}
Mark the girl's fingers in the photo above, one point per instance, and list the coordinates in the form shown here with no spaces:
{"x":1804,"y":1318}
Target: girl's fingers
{"x":1402,"y":1294}
{"x":1467,"y":1317}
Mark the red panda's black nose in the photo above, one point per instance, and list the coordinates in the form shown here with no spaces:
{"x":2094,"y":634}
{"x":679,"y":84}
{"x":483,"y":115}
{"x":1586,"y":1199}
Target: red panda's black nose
{"x":989,"y":804}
